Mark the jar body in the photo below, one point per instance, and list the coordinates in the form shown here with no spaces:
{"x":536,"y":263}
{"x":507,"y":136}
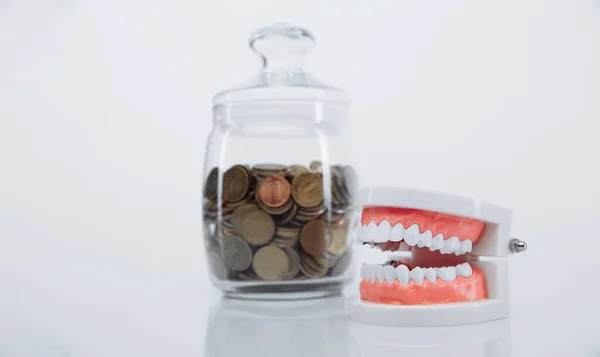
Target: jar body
{"x":278,"y":199}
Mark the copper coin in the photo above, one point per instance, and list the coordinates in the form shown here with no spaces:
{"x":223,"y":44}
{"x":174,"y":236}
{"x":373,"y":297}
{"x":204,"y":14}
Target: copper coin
{"x":315,"y":237}
{"x":236,"y":183}
{"x":211,"y":184}
{"x":275,"y":210}
{"x":257,"y":227}
{"x":274,"y":191}
{"x":271,"y":263}
{"x":307,"y":190}
{"x":236,"y":253}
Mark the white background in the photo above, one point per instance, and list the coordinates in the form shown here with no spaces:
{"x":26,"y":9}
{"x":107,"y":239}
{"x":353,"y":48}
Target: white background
{"x":105,"y":107}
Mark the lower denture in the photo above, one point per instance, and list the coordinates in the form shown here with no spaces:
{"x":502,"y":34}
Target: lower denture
{"x":461,"y":289}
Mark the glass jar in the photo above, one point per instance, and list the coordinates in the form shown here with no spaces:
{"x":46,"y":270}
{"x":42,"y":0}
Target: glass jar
{"x":278,"y":179}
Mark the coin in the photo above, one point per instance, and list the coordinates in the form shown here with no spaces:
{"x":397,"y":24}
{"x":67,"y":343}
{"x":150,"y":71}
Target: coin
{"x":286,"y":216}
{"x":275,"y":210}
{"x":294,"y":266}
{"x":271,"y":263}
{"x":314,"y":238}
{"x":325,"y":261}
{"x":211,"y":184}
{"x":336,"y":194}
{"x":217,"y":267}
{"x":228,"y":232}
{"x":338,"y":241}
{"x":236,"y":183}
{"x":295,"y":170}
{"x":289,"y":232}
{"x":237,"y":254}
{"x":286,"y":237}
{"x":313,"y":212}
{"x":234,"y":205}
{"x":238,"y":216}
{"x":307,"y":190}
{"x":246,"y":276}
{"x":269,"y":169}
{"x":285,"y":242}
{"x":310,"y":267}
{"x":257,"y":227}
{"x":316,"y":166}
{"x":210,"y":204}
{"x":274,"y":191}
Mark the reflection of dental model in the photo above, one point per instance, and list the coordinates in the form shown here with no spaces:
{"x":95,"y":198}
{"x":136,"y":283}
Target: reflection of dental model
{"x":490,"y":339}
{"x":457,"y":272}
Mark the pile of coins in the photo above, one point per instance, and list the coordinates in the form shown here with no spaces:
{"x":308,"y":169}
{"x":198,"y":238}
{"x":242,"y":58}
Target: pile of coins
{"x":274,"y":222}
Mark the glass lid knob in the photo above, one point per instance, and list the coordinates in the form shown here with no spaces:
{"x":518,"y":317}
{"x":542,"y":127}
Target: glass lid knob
{"x":282,"y":46}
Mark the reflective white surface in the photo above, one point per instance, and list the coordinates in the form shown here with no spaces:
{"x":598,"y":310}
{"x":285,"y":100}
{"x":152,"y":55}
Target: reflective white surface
{"x":104,"y":111}
{"x":81,"y":303}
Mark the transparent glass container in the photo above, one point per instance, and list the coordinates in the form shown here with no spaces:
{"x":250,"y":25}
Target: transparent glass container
{"x":279,"y":180}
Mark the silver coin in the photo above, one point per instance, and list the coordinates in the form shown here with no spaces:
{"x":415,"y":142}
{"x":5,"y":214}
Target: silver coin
{"x":237,"y":253}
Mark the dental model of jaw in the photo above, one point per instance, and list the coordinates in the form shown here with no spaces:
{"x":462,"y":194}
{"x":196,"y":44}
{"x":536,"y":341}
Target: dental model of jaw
{"x":453,"y":267}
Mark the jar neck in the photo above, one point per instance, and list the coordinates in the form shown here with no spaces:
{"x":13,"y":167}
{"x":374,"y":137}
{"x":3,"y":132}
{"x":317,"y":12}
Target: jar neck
{"x":282,"y":63}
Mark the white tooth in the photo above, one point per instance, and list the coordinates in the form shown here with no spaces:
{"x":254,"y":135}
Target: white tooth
{"x":450,"y":245}
{"x":402,"y":273}
{"x":379,"y":275}
{"x":390,"y":273}
{"x":362,"y":271}
{"x":446,"y":273}
{"x":464,"y":269}
{"x":437,"y":242}
{"x":372,"y":272}
{"x":425,"y":239}
{"x":466,"y":246}
{"x":411,"y":235}
{"x":369,"y":232}
{"x":382,"y":234}
{"x":430,"y":274}
{"x":452,"y":272}
{"x":397,"y":233}
{"x":417,"y":275}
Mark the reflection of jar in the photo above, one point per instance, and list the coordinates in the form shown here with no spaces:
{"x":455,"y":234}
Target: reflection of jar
{"x":316,"y":328}
{"x":278,"y":187}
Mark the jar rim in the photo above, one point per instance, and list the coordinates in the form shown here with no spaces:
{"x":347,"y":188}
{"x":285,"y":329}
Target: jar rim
{"x":297,"y":93}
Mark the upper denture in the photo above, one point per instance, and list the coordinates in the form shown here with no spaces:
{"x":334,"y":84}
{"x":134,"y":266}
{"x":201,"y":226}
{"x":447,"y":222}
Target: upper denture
{"x":446,"y":224}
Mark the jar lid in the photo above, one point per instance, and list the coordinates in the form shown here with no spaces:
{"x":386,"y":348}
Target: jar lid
{"x":282,"y":48}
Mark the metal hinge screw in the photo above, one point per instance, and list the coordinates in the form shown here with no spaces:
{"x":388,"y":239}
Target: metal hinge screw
{"x":517,"y":246}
